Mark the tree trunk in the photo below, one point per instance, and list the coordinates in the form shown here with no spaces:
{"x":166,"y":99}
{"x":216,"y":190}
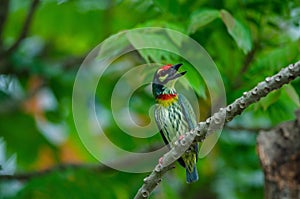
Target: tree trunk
{"x":279,"y":153}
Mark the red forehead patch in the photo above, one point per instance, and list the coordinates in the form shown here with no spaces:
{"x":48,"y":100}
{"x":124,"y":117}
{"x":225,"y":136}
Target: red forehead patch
{"x":166,"y":67}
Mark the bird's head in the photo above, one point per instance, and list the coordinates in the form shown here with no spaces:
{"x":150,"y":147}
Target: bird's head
{"x":167,"y":74}
{"x":165,"y":78}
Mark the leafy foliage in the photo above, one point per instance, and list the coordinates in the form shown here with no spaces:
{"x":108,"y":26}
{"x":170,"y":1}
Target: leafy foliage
{"x":248,"y":41}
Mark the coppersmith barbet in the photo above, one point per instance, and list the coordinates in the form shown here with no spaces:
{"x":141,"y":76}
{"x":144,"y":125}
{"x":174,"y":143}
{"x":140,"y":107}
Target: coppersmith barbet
{"x":174,"y":115}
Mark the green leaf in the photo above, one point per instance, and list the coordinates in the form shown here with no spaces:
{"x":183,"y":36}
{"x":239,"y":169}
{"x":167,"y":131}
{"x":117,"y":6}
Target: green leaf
{"x":195,"y":79}
{"x":291,"y":92}
{"x":174,"y":37}
{"x":113,"y":46}
{"x":268,"y":100}
{"x":283,"y":110}
{"x":68,"y":184}
{"x":238,"y":31}
{"x":168,"y":25}
{"x":153,"y":45}
{"x":19,"y":128}
{"x":271,"y":60}
{"x":168,"y":6}
{"x":201,"y":18}
{"x":8,"y":166}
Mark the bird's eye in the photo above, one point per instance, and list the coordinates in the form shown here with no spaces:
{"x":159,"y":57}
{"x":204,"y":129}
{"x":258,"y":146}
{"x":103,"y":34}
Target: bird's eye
{"x":162,"y":72}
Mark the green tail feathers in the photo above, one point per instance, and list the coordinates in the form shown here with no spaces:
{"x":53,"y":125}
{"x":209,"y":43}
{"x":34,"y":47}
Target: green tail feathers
{"x":192,"y":176}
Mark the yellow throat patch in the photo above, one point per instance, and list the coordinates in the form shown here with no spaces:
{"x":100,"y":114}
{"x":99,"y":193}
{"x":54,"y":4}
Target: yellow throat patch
{"x":167,"y":99}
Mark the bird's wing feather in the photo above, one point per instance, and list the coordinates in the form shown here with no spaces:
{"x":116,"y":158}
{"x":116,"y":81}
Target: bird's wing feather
{"x":188,"y":111}
{"x":190,"y":117}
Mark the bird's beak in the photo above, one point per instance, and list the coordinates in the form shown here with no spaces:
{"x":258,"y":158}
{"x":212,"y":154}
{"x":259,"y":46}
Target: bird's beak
{"x":174,"y":72}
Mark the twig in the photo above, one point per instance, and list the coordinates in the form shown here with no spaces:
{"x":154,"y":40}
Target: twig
{"x":66,"y":166}
{"x":247,"y":61}
{"x":250,"y":129}
{"x":4,"y":8}
{"x":29,"y":175}
{"x":215,"y":123}
{"x":25,"y":27}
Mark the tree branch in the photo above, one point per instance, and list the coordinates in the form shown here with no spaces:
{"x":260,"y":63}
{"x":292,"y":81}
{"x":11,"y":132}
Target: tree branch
{"x":247,"y":61}
{"x":61,"y":167}
{"x":279,"y":154}
{"x":4,"y":8}
{"x":250,"y":129}
{"x":66,"y":166}
{"x":24,"y":29}
{"x":215,"y":123}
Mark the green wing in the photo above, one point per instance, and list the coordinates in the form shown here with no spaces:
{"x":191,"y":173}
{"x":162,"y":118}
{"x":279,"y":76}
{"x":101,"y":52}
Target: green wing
{"x":188,"y":111}
{"x":191,"y":119}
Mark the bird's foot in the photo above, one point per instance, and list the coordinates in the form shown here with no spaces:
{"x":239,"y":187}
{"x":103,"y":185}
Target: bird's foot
{"x":160,"y":161}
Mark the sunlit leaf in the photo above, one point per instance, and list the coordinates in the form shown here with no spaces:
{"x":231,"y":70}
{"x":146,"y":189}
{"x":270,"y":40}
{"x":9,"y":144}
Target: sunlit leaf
{"x":113,"y":46}
{"x":291,"y":92}
{"x":169,"y":6}
{"x":167,"y":25}
{"x":196,"y":80}
{"x":201,"y":18}
{"x":269,"y":100}
{"x":283,"y":110}
{"x":153,"y":46}
{"x":8,"y":165}
{"x":271,"y":60}
{"x":238,"y":31}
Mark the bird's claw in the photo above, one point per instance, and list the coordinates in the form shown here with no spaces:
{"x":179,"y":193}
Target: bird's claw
{"x":181,"y":137}
{"x":160,"y":161}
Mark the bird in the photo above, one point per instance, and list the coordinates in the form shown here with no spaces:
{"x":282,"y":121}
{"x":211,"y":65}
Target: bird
{"x":174,"y":115}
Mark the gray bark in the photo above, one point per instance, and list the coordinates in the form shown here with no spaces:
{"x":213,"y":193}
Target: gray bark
{"x":279,"y":153}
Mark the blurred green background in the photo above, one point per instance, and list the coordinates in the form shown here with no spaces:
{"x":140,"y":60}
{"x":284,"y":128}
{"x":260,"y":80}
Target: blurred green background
{"x":247,"y":39}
